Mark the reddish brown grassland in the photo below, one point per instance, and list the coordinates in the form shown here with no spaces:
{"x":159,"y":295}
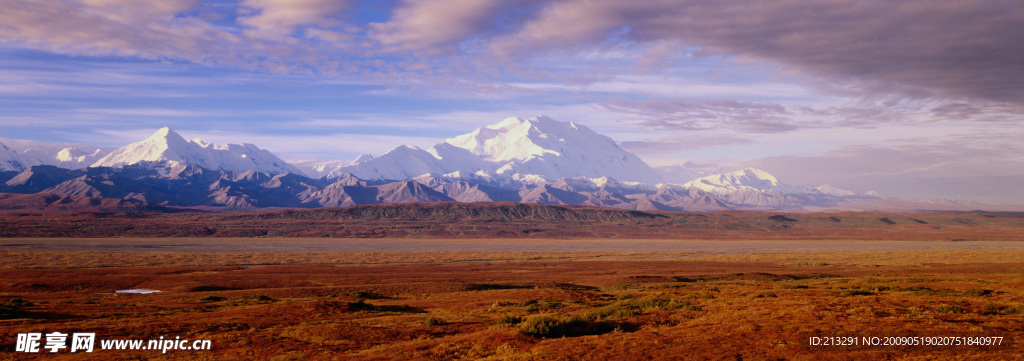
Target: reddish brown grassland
{"x":524,"y":304}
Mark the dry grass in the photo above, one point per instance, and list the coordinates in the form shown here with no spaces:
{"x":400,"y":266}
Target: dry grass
{"x":494,"y":305}
{"x":547,"y":310}
{"x":19,"y":259}
{"x":888,"y":258}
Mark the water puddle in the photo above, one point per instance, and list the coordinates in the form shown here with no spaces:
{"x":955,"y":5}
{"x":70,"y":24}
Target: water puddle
{"x":141,"y":291}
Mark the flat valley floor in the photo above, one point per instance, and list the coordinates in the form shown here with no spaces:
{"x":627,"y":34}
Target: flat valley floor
{"x":537,"y":299}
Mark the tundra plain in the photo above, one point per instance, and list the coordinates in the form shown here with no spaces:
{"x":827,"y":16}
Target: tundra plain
{"x":720,"y":296}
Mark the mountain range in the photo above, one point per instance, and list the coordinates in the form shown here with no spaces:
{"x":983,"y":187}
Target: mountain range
{"x":537,"y":160}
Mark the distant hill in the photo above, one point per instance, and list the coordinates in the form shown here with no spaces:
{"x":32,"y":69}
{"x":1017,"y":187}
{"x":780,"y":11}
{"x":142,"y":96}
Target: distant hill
{"x":53,"y":203}
{"x":514,"y":220}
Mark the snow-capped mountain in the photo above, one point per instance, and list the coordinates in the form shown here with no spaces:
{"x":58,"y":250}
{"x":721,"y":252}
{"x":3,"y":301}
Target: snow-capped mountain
{"x":70,"y":156}
{"x":755,"y":187}
{"x":746,"y":179}
{"x":318,"y":168}
{"x":538,"y":160}
{"x":408,"y":162}
{"x":10,"y":160}
{"x":552,"y":149}
{"x":516,"y":151}
{"x":167,"y":146}
{"x":834,"y":191}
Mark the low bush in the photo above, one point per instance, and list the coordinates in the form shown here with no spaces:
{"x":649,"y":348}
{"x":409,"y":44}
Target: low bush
{"x":540,"y":305}
{"x":433,"y":321}
{"x":787,"y":286}
{"x":363,"y":294}
{"x":949,"y":309}
{"x":212,"y":299}
{"x":368,"y":307}
{"x":509,"y":320}
{"x":977,"y":292}
{"x":13,"y":308}
{"x":599,"y":321}
{"x":550,"y":327}
{"x":260,"y":298}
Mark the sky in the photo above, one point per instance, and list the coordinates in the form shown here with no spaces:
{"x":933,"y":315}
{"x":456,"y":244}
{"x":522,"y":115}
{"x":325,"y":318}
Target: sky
{"x":913,"y":99}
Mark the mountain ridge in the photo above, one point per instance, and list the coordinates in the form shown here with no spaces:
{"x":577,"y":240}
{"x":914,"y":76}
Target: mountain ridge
{"x":536,"y":160}
{"x":453,"y":220}
{"x":192,"y":186}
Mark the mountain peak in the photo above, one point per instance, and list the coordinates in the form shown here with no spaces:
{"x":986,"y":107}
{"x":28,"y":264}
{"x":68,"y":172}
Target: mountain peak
{"x":755,"y":173}
{"x":542,"y":119}
{"x":521,"y":151}
{"x":10,"y":160}
{"x":168,"y":146}
{"x":515,"y":122}
{"x":514,"y":139}
{"x":505,"y":123}
{"x":164,"y":133}
{"x":552,"y":149}
{"x":364,"y":158}
{"x":166,"y":138}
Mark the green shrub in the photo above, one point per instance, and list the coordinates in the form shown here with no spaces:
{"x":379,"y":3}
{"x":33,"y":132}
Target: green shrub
{"x":549,"y":327}
{"x":949,"y":308}
{"x":635,"y":306}
{"x":433,"y":321}
{"x":509,"y":320}
{"x":541,"y":326}
{"x":788,"y":286}
{"x":540,"y":305}
{"x":578,"y":326}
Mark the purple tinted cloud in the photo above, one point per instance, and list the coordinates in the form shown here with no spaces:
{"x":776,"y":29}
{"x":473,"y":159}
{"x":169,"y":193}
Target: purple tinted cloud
{"x":434,"y":26}
{"x":698,"y":114}
{"x":969,"y":48}
{"x":669,"y":147}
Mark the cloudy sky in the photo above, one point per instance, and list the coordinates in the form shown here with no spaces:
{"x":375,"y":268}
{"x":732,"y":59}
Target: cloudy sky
{"x":915,"y":99}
